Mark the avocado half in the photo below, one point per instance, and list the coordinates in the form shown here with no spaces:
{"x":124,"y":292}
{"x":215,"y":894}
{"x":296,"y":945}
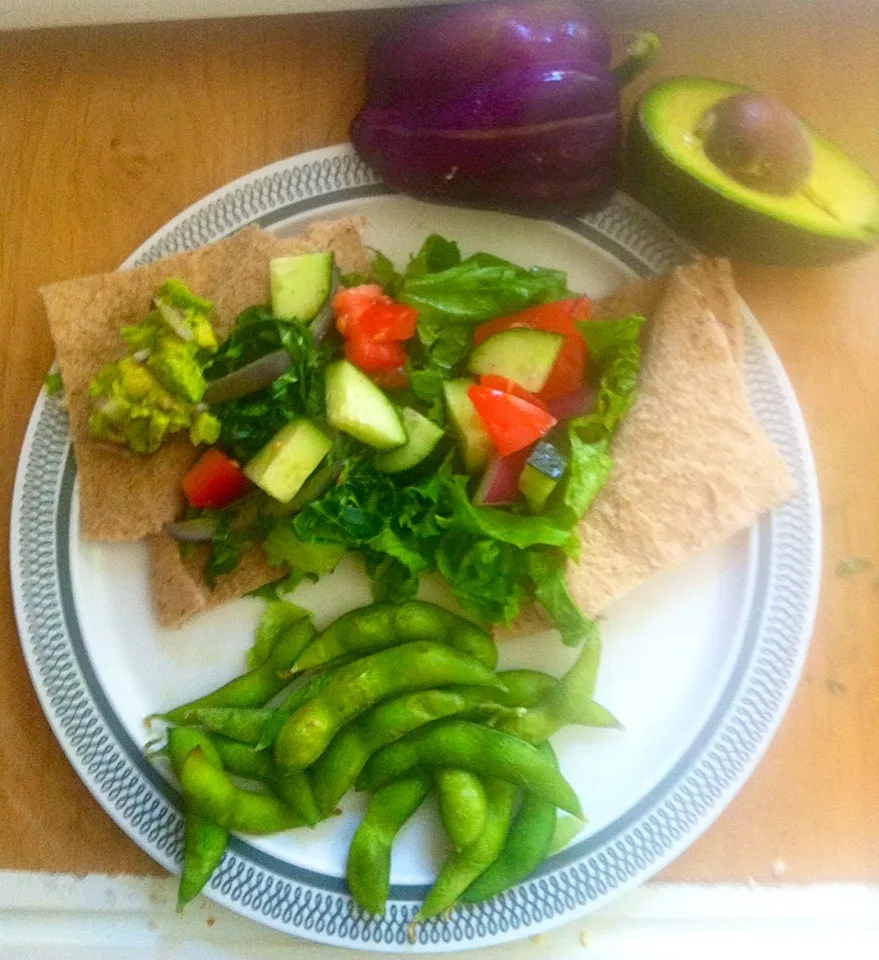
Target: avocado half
{"x":834,"y":217}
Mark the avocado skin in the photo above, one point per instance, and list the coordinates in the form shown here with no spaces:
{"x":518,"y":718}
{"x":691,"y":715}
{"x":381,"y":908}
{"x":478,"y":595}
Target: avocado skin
{"x":716,"y":224}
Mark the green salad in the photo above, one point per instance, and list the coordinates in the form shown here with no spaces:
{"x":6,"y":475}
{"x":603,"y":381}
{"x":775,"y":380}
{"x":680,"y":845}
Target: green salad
{"x":452,"y":418}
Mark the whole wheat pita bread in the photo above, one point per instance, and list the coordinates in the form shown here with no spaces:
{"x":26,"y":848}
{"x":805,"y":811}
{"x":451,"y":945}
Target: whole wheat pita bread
{"x":123,"y":496}
{"x":692,"y":466}
{"x":714,"y":279}
{"x":178,"y":586}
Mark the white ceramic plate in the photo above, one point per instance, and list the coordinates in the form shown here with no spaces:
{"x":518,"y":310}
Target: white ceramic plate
{"x":699,"y":665}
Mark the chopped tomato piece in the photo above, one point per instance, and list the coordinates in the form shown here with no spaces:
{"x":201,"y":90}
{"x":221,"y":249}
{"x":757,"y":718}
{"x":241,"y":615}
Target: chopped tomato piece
{"x":390,"y":379}
{"x":214,"y":481}
{"x":370,"y":356}
{"x":384,"y":320}
{"x":511,"y":422}
{"x":510,"y":386}
{"x":569,"y":369}
{"x":351,"y":302}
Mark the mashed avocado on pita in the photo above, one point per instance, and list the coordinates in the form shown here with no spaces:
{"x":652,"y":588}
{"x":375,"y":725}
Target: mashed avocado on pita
{"x":156,"y":389}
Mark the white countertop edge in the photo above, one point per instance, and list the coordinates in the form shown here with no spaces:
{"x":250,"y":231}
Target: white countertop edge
{"x":97,"y":917}
{"x":28,"y":14}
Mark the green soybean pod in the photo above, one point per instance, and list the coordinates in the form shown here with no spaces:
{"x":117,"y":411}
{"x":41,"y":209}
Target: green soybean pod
{"x":525,"y":688}
{"x":244,"y":724}
{"x":526,"y":847}
{"x":183,"y":740}
{"x":569,"y":701}
{"x":464,"y":866}
{"x":293,"y":788}
{"x":212,"y":795}
{"x":471,"y":746}
{"x":336,"y":769}
{"x":204,"y":843}
{"x":363,"y":683}
{"x":301,"y":695}
{"x":383,"y":625}
{"x":360,"y":631}
{"x":369,"y":855}
{"x":243,"y":760}
{"x":463,"y":805}
{"x":258,"y":686}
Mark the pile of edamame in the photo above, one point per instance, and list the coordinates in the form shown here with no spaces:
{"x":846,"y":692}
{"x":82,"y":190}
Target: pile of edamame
{"x":399,"y":700}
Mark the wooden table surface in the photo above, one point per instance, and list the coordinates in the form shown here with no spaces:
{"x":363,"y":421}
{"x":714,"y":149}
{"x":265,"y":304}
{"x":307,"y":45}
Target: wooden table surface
{"x":107,"y":133}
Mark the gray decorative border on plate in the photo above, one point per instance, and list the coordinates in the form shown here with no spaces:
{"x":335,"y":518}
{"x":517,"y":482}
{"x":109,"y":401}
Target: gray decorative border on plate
{"x":574,"y":882}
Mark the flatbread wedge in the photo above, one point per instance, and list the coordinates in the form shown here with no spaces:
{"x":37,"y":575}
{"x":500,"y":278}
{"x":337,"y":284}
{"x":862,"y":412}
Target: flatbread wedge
{"x":713,"y":277}
{"x":692,"y":466}
{"x":126,"y":497}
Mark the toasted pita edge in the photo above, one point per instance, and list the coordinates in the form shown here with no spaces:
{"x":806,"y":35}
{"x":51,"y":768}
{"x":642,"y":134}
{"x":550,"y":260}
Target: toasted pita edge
{"x":178,"y":586}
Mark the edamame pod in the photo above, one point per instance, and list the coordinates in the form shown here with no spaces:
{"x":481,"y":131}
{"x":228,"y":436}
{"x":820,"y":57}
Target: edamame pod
{"x":569,"y":701}
{"x":526,"y":847}
{"x":293,"y":788}
{"x":212,"y":795}
{"x":462,"y":803}
{"x":243,"y":760}
{"x":244,"y":724}
{"x":369,"y":856}
{"x":301,"y":695}
{"x":183,"y":740}
{"x":335,"y":770}
{"x":382,"y":625}
{"x":488,"y":752}
{"x":204,"y":843}
{"x":464,"y":866}
{"x":363,"y":683}
{"x":258,"y":686}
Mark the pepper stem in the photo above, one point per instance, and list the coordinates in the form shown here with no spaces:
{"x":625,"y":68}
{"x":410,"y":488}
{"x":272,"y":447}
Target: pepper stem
{"x":642,"y":50}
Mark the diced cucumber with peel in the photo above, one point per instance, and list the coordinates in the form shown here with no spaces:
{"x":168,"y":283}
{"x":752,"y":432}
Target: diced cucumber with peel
{"x":535,"y":487}
{"x":422,"y":436}
{"x":288,"y":459}
{"x":541,"y":474}
{"x":473,"y":438}
{"x":358,"y":407}
{"x":521,"y":354}
{"x":300,"y":285}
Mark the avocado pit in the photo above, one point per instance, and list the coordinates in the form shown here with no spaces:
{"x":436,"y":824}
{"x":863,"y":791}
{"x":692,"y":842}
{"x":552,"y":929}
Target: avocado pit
{"x":757,"y":141}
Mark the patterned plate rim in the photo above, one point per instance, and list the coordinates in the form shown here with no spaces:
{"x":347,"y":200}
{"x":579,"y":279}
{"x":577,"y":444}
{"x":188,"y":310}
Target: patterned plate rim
{"x":575,"y":882}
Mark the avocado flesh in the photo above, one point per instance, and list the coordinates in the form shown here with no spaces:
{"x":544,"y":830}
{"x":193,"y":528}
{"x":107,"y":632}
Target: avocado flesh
{"x":835,"y":216}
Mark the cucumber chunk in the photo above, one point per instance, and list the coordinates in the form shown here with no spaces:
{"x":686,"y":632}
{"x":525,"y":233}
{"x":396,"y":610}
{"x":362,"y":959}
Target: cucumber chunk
{"x":422,"y":435}
{"x":473,"y":438}
{"x":288,"y":459}
{"x":358,"y":407}
{"x":541,"y":475}
{"x":521,"y":354}
{"x":300,"y":285}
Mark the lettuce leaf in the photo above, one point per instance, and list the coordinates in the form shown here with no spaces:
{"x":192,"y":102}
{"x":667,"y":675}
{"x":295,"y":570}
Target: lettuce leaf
{"x":486,"y":576}
{"x":547,"y":572}
{"x":518,"y":530}
{"x":453,"y":301}
{"x":247,"y":424}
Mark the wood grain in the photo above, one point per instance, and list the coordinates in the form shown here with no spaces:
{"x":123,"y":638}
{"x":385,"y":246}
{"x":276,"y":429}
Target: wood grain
{"x":107,"y":133}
